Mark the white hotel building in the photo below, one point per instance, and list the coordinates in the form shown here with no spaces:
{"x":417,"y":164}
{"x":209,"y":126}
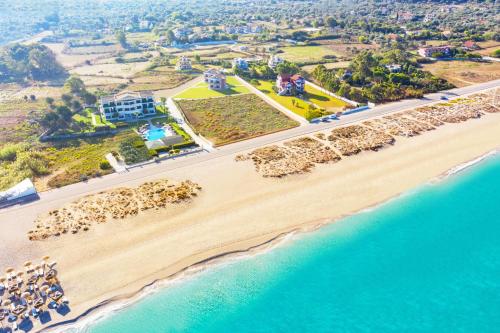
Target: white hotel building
{"x":127,"y":105}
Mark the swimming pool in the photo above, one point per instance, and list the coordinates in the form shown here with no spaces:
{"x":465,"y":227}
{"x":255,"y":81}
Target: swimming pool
{"x":155,"y":134}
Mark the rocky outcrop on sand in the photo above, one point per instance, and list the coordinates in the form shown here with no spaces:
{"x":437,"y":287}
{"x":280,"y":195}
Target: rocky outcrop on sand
{"x":116,"y":204}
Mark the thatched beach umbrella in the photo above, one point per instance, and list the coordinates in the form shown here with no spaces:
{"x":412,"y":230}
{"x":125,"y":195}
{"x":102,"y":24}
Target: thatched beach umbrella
{"x":44,"y":288}
{"x":9,"y":272}
{"x":27,"y":264}
{"x":45,"y":259}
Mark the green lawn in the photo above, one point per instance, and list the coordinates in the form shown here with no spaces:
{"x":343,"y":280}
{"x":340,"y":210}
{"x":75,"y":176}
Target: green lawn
{"x":305,"y":53}
{"x":233,"y":118}
{"x":299,"y":106}
{"x":201,"y":90}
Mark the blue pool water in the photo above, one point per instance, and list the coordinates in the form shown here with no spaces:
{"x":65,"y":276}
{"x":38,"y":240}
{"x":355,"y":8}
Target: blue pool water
{"x":428,"y":261}
{"x":155,"y":134}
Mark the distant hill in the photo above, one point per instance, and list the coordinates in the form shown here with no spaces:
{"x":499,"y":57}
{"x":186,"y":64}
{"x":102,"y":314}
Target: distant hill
{"x":36,"y":62}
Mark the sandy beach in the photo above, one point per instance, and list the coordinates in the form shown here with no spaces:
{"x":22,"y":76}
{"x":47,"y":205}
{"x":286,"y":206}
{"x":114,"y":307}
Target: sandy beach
{"x":238,"y":209}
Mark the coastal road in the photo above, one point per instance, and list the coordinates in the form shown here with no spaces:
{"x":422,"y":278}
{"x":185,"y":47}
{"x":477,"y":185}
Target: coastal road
{"x":162,"y":168}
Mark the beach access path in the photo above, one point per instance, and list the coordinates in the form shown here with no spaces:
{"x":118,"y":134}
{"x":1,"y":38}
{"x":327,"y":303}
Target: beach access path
{"x":113,"y":180}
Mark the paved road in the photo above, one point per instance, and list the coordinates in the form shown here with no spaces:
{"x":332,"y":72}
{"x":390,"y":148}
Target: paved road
{"x":163,"y":168}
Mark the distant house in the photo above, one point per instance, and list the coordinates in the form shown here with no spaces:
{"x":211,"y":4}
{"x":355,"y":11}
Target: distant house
{"x":240,"y":63}
{"x":290,"y":84}
{"x":427,"y":52}
{"x":274,"y":61}
{"x":216,"y":79}
{"x":182,"y":32}
{"x":393,"y":37}
{"x":183,"y":64}
{"x":127,"y":105}
{"x":393,"y":68}
{"x":242,"y":29}
{"x":470,"y":45}
{"x":347,"y":74}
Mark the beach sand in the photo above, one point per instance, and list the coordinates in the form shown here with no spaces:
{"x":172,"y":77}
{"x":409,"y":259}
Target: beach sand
{"x":238,"y":209}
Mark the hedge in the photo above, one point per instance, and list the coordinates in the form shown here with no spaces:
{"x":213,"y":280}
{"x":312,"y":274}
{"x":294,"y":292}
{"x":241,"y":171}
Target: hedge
{"x":167,"y":149}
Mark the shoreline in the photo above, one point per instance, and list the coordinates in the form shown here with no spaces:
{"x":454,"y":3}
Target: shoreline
{"x":107,"y":308}
{"x":237,"y":210}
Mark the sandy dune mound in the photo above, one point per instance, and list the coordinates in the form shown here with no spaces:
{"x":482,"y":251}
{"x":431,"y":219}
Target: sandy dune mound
{"x":276,"y":161}
{"x":421,"y":115}
{"x":352,"y":139}
{"x":312,"y":150}
{"x":117,"y":203}
{"x":300,"y":155}
{"x":399,"y":125}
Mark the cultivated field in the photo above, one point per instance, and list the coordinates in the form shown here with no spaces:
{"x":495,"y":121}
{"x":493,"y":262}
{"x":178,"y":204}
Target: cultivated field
{"x":464,"y":73}
{"x":487,"y":48}
{"x":15,"y":110}
{"x":234,"y":118}
{"x":201,"y":90}
{"x":127,"y":70}
{"x":346,"y":50}
{"x":306,"y":53}
{"x":154,"y":80}
{"x":72,"y":60}
{"x":330,"y":65}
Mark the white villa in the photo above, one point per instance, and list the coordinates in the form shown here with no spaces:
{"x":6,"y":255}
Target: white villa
{"x":240,"y":63}
{"x":274,"y":61}
{"x":127,"y":105}
{"x":183,"y":64}
{"x":216,"y":79}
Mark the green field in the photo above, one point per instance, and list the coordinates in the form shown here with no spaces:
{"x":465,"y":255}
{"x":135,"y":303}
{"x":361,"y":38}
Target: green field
{"x":305,"y":53}
{"x":319,"y":99}
{"x":201,"y":90}
{"x":233,"y":118}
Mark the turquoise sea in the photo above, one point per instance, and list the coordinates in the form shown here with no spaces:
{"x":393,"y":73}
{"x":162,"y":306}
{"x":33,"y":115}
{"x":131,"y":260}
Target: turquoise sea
{"x":428,"y":261}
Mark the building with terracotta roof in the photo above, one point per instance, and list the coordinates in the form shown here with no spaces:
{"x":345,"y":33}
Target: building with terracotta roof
{"x":290,"y":84}
{"x":427,"y":52}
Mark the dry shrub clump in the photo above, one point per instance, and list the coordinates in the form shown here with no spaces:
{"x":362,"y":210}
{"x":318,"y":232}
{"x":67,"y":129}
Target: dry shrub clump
{"x":276,"y":161}
{"x":117,"y":203}
{"x":312,"y":150}
{"x":352,"y":139}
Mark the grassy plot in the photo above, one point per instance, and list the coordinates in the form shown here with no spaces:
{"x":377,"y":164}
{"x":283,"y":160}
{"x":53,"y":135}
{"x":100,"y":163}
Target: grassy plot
{"x":464,"y":73}
{"x":301,"y":106}
{"x":306,"y":53}
{"x":72,"y":161}
{"x":234,"y":118}
{"x":201,"y":90}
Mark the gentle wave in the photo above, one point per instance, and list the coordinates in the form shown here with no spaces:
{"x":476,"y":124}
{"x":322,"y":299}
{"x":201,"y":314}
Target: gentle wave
{"x":99,"y":313}
{"x":461,"y":167}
